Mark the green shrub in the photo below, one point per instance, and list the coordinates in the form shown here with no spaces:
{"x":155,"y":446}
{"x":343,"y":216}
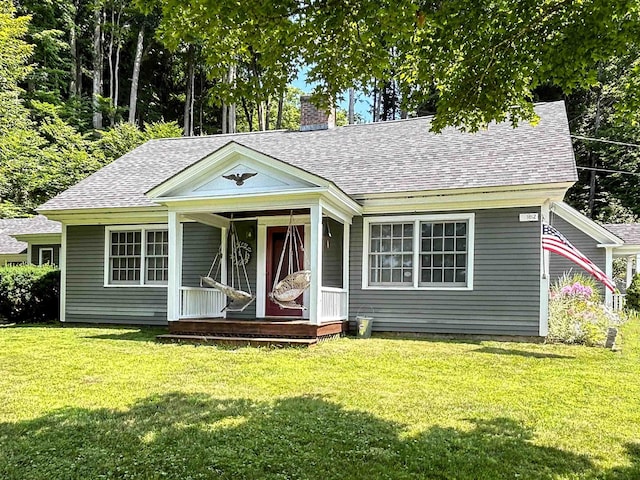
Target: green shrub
{"x":632,"y":299}
{"x":29,"y":293}
{"x":575,"y":313}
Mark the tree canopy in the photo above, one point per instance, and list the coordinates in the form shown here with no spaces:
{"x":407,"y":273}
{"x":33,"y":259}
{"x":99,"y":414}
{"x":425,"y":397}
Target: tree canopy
{"x":482,"y":60}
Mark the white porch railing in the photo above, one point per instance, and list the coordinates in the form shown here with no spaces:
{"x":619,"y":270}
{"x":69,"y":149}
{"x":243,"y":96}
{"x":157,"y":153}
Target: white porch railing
{"x":197,"y":302}
{"x":334,"y":304}
{"x":618,"y":302}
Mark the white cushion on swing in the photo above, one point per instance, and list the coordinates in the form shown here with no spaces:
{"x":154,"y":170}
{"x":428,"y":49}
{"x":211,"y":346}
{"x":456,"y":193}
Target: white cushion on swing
{"x":292,"y":286}
{"x":232,"y":293}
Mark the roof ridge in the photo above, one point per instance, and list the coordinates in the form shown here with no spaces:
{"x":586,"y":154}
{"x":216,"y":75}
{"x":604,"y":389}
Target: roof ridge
{"x":219,"y":135}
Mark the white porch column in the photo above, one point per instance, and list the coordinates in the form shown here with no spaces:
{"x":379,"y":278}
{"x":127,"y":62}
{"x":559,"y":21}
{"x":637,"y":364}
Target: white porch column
{"x":346,"y":234}
{"x":544,"y":275}
{"x":315,"y":296}
{"x":637,"y":263}
{"x":629,"y":271}
{"x":608,"y":295}
{"x":175,"y":266}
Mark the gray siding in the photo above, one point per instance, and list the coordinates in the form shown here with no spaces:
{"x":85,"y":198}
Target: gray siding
{"x":35,"y":253}
{"x":200,"y":245}
{"x":332,"y":255}
{"x":558,"y":265}
{"x":88,"y":301}
{"x":243,"y":227}
{"x":505,"y":299}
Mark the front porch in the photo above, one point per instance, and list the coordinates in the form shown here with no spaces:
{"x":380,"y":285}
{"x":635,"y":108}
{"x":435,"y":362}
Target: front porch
{"x":238,"y":207}
{"x":199,"y":313}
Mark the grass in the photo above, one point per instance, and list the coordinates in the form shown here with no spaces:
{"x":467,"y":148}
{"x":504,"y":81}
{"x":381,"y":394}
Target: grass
{"x":85,"y":403}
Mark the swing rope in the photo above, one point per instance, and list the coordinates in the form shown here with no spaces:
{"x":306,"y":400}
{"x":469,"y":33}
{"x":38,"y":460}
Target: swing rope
{"x":238,"y":299}
{"x":284,"y":292}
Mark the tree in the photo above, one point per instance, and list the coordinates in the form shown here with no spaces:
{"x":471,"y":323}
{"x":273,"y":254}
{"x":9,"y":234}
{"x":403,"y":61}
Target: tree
{"x":484,"y":59}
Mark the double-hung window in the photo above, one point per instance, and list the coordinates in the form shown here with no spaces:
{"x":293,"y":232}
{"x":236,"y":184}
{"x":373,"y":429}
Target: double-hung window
{"x":419,"y":252}
{"x":137,"y":256}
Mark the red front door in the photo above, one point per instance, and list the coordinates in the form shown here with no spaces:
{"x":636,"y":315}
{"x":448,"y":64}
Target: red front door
{"x":275,"y":244}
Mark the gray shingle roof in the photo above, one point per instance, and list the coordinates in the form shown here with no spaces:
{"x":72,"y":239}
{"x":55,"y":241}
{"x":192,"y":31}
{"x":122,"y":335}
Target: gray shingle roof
{"x":23,"y":226}
{"x":386,"y":157}
{"x":11,"y":246}
{"x":629,"y":232}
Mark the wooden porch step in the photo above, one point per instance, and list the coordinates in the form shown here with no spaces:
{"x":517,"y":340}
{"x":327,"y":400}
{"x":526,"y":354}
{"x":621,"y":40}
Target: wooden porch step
{"x":299,"y":329}
{"x":238,"y":341}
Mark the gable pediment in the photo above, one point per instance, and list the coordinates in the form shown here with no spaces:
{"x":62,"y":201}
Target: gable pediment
{"x":235,"y":170}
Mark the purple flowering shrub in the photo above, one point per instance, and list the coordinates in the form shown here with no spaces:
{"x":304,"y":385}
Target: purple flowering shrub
{"x":576,"y":314}
{"x":577,"y":290}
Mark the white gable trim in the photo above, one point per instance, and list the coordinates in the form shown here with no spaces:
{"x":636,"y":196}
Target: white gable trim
{"x":585,"y":224}
{"x":224,"y":157}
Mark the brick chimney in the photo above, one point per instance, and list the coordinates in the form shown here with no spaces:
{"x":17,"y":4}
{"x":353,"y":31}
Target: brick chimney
{"x":311,"y":118}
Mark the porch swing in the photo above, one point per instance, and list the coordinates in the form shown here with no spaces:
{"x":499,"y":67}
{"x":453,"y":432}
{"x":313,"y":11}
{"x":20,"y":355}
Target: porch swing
{"x":238,"y":298}
{"x":286,"y":291}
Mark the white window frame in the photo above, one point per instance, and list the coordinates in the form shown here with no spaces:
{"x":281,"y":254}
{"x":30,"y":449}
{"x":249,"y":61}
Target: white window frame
{"x":143,"y":254}
{"x":416,"y":220}
{"x":45,"y":249}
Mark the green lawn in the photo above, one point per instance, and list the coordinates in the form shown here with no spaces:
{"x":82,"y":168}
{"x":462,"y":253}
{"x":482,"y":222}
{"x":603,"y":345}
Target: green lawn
{"x":88,"y":403}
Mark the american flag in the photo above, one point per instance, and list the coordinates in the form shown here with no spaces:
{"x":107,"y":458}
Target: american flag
{"x":555,"y":242}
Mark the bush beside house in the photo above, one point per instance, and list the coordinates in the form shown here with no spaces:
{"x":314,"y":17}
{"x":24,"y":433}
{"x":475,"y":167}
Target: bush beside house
{"x":632,"y":299}
{"x":29,"y":293}
{"x":576,"y":314}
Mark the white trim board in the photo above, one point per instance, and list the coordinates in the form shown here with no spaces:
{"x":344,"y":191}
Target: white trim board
{"x":63,"y":273}
{"x":585,"y":224}
{"x":224,"y":158}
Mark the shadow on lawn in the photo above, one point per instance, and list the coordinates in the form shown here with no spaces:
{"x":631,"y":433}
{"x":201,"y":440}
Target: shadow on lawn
{"x":195,"y":436}
{"x":137,"y":335}
{"x":520,"y":353}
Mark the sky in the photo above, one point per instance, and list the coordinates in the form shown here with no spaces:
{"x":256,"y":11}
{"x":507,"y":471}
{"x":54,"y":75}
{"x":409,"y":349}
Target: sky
{"x":363,"y":105}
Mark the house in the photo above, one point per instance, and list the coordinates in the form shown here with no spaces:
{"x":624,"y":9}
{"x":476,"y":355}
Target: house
{"x":433,"y":233}
{"x":33,"y":240}
{"x":596,"y":242}
{"x":629,"y":233}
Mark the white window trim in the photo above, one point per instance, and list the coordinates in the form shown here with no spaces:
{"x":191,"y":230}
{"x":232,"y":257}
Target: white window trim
{"x":45,"y":249}
{"x":416,"y":219}
{"x":107,"y":253}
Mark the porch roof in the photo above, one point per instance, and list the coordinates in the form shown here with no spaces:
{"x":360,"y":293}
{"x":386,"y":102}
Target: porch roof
{"x":386,"y":157}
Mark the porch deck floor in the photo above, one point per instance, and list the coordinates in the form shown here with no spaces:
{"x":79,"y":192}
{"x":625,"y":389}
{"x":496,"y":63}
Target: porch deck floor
{"x":262,"y":331}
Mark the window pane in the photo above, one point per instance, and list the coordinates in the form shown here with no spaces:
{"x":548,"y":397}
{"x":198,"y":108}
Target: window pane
{"x":437,"y":244}
{"x":448,"y":260}
{"x":449,"y":229}
{"x":124,"y":262}
{"x":437,"y":275}
{"x":426,"y":229}
{"x":448,"y":275}
{"x":448,"y":245}
{"x":461,"y":228}
{"x":437,"y":229}
{"x":391,"y":253}
{"x":156,"y":261}
{"x":461,"y":275}
{"x":426,"y":276}
{"x":461,"y":244}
